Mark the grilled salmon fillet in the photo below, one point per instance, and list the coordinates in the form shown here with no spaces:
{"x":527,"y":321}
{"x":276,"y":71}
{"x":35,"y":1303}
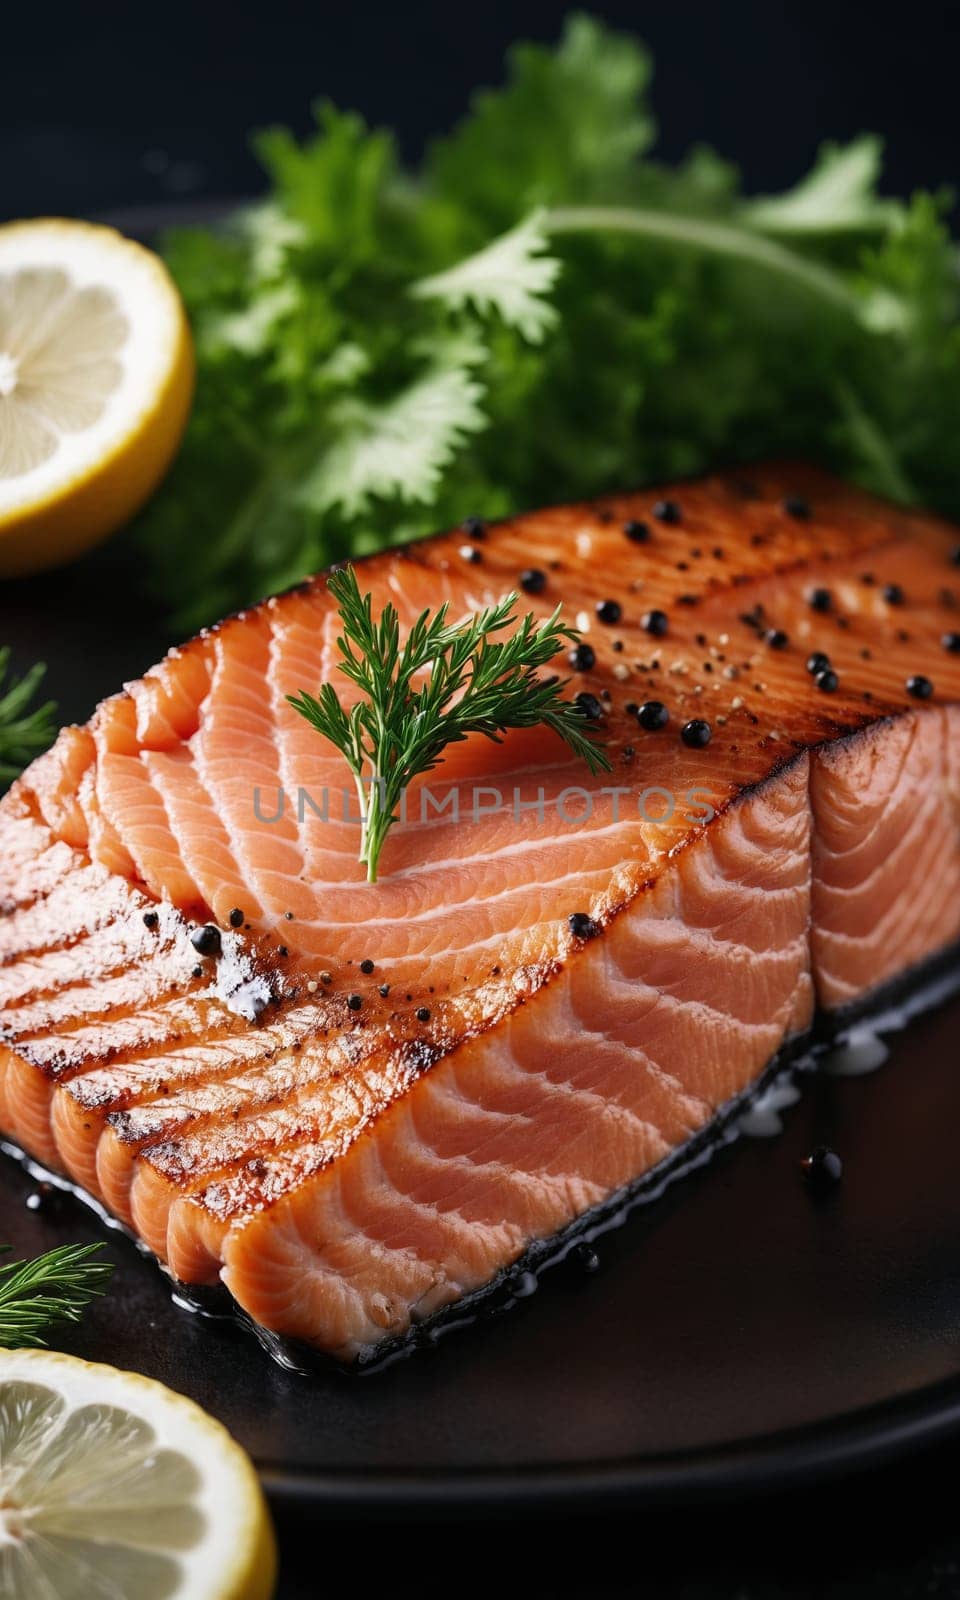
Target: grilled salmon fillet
{"x":355,"y":1103}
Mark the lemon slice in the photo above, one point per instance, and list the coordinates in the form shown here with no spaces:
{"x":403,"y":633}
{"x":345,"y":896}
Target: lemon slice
{"x":96,"y":378}
{"x":115,"y":1488}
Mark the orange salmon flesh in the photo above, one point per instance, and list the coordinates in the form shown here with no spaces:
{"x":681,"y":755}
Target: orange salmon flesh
{"x":571,"y":978}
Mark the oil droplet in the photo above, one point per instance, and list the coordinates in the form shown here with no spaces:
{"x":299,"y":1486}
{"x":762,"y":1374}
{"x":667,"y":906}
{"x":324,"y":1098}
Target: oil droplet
{"x":762,"y":1120}
{"x":522,"y":1284}
{"x":45,"y":1197}
{"x":862,"y":1051}
{"x":585,"y":1257}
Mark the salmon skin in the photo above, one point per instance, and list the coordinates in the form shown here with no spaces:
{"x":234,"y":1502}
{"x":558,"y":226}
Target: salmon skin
{"x":356,"y":1104}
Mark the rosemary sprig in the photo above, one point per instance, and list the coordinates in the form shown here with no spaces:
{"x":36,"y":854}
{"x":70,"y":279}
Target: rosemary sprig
{"x":476,"y":683}
{"x":54,"y":1287}
{"x":23,"y":733}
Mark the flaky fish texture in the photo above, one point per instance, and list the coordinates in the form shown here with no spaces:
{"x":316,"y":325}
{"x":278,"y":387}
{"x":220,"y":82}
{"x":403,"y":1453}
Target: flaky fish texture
{"x":571,"y":975}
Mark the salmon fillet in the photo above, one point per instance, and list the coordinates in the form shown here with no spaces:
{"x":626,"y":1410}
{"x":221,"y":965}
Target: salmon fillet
{"x":360,"y":1103}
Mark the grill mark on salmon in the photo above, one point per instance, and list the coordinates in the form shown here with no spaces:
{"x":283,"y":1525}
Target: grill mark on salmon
{"x":345,"y":1173}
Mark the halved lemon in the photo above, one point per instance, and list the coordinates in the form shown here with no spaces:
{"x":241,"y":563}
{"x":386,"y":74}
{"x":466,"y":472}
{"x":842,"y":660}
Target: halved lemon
{"x":112,"y":1487}
{"x":96,"y":379}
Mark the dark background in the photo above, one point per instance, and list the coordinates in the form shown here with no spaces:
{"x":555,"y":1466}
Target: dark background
{"x":110,"y":107}
{"x":105,"y":106}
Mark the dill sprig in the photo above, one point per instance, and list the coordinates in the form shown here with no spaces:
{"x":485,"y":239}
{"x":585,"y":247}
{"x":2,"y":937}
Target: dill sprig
{"x":23,"y":733}
{"x":476,"y":683}
{"x":54,"y":1287}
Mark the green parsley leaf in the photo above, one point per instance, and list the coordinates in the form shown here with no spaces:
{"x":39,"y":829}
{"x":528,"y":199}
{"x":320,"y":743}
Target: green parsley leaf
{"x":568,"y":127}
{"x":540,"y":312}
{"x":398,"y":449}
{"x":839,"y":195}
{"x":512,"y":276}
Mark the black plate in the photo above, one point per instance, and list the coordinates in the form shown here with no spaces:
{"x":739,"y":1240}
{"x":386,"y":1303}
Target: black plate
{"x":739,"y":1334}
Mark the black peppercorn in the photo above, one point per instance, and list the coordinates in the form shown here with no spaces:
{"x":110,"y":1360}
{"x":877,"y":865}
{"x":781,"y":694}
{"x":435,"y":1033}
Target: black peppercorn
{"x":817,"y":662}
{"x":636,"y":532}
{"x":582,"y":657}
{"x":776,"y":639}
{"x":206,"y":940}
{"x":384,"y":990}
{"x":582,"y":925}
{"x":609,"y":610}
{"x":355,"y":1001}
{"x":893,"y":594}
{"x":533,"y":581}
{"x":667,"y":511}
{"x":822,"y":1169}
{"x":474,"y":527}
{"x":151,"y":920}
{"x":655,"y":622}
{"x":827,"y":680}
{"x":795,"y":506}
{"x":236,"y":918}
{"x":471,"y":554}
{"x":696,"y":733}
{"x":423,"y":1013}
{"x":951,"y":642}
{"x":653,"y":715}
{"x":920,"y":687}
{"x":589,"y":706}
{"x":820,"y":599}
{"x":366,"y":966}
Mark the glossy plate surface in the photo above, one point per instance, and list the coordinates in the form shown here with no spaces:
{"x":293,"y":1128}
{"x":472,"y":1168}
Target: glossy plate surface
{"x":738,"y":1332}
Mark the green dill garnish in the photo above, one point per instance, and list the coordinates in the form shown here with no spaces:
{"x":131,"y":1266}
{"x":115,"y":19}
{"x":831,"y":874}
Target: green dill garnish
{"x":23,"y":732}
{"x":475,"y":683}
{"x":54,"y":1287}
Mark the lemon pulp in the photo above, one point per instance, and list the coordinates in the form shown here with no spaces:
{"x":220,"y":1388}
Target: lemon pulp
{"x":114,"y":1488}
{"x":96,"y":377}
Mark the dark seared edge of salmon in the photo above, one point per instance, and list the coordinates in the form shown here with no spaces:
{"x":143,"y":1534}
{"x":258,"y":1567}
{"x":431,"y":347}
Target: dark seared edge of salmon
{"x":348,"y":1171}
{"x":931,"y":983}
